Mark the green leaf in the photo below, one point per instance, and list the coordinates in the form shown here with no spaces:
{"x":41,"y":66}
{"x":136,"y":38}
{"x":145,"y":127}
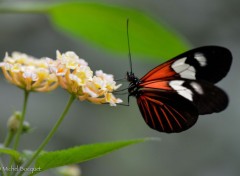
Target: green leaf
{"x":80,"y":153}
{"x":16,"y":155}
{"x":105,"y":26}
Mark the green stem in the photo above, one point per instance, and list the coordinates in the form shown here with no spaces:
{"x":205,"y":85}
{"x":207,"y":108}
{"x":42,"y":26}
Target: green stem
{"x":50,"y":135}
{"x":20,"y":128}
{"x":19,"y":131}
{"x":9,"y":138}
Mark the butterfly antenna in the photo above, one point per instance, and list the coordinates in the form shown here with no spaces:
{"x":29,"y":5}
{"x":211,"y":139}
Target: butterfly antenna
{"x":129,"y":50}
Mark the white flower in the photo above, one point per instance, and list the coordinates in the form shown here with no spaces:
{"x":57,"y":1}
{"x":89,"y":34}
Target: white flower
{"x":28,"y":72}
{"x":77,"y":78}
{"x":110,"y":84}
{"x":70,"y":60}
{"x":110,"y":98}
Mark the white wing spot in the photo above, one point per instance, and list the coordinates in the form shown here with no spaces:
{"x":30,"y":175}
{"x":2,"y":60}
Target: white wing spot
{"x":179,"y":62}
{"x":183,"y":91}
{"x":183,"y":69}
{"x":201,"y":59}
{"x":197,"y":87}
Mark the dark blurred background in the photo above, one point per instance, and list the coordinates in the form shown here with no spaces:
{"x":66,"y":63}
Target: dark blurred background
{"x":210,"y":148}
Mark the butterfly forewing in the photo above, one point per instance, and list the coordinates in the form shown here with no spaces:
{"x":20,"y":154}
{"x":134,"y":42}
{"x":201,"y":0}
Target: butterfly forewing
{"x":209,"y":63}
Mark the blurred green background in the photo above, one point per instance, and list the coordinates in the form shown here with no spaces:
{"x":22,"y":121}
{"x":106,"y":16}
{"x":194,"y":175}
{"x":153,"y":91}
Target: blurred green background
{"x":211,"y":147}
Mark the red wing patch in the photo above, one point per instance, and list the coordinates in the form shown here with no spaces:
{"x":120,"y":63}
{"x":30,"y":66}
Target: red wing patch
{"x":160,"y":72}
{"x":156,"y":84}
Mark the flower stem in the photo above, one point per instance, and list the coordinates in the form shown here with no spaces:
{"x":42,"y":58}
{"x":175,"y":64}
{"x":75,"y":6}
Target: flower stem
{"x":19,"y":131}
{"x":20,"y":128}
{"x":9,"y":138}
{"x":51,"y":133}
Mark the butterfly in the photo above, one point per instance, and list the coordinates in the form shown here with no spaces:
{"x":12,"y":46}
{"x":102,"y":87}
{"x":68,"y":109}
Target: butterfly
{"x":172,"y":95}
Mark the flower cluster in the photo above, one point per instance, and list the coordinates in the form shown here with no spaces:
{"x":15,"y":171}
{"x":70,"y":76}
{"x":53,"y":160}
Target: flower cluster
{"x":77,"y":78}
{"x":68,"y":70}
{"x":28,"y":73}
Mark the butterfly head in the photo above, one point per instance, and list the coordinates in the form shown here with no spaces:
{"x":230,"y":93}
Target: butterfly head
{"x":132,"y":78}
{"x":134,"y":82}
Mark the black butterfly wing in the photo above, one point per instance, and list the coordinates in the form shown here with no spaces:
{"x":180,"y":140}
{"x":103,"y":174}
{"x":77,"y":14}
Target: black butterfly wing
{"x":209,"y":63}
{"x":166,"y":111}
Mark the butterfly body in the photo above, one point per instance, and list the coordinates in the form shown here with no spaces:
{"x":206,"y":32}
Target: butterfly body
{"x":172,"y":95}
{"x":133,"y":87}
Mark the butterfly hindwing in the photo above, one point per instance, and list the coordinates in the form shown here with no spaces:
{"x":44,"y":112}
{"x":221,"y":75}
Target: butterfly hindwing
{"x":166,"y":111}
{"x":207,"y":97}
{"x":209,"y":63}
